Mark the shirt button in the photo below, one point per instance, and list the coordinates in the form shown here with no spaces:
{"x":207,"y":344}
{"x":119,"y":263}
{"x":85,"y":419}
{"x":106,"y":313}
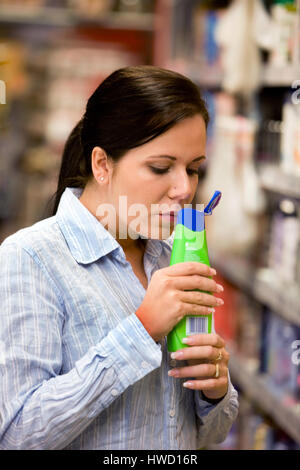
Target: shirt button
{"x":114,"y":392}
{"x":144,"y":365}
{"x":173,"y":362}
{"x":172,"y":413}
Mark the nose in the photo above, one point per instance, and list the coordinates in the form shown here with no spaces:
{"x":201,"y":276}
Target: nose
{"x":181,"y":188}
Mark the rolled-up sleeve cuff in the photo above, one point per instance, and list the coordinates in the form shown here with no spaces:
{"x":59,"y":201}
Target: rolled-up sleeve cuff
{"x":134,"y":351}
{"x":203,"y":408}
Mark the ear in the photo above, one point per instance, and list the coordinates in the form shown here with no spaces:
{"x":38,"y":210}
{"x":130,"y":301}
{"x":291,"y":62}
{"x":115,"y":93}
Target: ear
{"x":100,"y":166}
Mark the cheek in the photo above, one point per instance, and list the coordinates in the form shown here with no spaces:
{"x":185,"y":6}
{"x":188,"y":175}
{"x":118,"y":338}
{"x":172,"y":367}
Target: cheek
{"x":139,"y":186}
{"x":147,"y":188}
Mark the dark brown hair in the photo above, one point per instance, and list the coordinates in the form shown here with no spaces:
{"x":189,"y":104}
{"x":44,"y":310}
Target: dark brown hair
{"x":129,"y":108}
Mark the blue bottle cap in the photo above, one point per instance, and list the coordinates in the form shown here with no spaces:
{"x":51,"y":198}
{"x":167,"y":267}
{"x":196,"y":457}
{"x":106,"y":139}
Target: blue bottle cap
{"x":191,"y":218}
{"x":213,"y":203}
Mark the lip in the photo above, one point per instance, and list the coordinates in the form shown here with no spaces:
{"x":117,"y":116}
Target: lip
{"x":170,"y":215}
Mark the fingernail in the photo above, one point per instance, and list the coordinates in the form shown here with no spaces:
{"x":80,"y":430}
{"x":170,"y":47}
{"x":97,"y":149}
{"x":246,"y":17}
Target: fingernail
{"x":176,"y":355}
{"x":220,"y":288}
{"x":213,"y":271}
{"x":173,"y":373}
{"x":187,"y":341}
{"x":220,"y":301}
{"x":188,"y":384}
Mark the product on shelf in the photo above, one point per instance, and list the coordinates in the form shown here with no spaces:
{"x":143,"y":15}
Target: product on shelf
{"x":284,"y":14}
{"x":231,"y":169}
{"x":284,"y":241}
{"x":239,"y":322}
{"x":134,"y":6}
{"x":12,"y":135}
{"x":249,"y":319}
{"x":266,"y":436}
{"x":13,"y":69}
{"x":225,"y":317}
{"x":268,"y":141}
{"x":91,"y":8}
{"x":205,"y":49}
{"x":290,"y":138}
{"x":278,"y":338}
{"x":240,"y":52}
{"x":74,"y":72}
{"x":49,"y":73}
{"x":23,"y":3}
{"x":253,"y":430}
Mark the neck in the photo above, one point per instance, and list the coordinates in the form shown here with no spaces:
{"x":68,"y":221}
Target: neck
{"x":91,"y":199}
{"x":135,"y":253}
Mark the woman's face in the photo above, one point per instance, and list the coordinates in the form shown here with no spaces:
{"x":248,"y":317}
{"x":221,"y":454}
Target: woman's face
{"x":157,"y":178}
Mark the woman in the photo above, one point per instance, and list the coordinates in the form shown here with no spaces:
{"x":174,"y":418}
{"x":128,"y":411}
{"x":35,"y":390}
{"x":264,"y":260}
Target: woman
{"x":88,"y":296}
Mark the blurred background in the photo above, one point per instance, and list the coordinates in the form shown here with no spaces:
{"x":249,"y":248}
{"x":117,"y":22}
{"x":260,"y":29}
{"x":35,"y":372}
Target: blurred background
{"x":245,"y":57}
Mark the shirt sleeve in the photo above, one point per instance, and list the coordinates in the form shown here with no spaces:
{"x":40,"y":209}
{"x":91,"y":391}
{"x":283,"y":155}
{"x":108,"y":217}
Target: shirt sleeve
{"x":215,"y":421}
{"x":39,"y":407}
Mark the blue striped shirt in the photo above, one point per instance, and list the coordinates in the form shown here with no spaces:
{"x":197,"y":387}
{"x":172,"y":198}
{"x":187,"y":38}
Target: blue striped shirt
{"x":78,"y":369}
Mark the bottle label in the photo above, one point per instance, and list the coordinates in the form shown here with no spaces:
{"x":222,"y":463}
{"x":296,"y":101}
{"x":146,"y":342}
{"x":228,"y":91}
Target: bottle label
{"x":196,"y":325}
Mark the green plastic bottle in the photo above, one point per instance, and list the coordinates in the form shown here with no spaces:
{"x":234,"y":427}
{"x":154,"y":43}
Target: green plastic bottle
{"x":190,"y":245}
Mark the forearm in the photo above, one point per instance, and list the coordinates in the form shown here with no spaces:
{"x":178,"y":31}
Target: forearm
{"x":59,"y":409}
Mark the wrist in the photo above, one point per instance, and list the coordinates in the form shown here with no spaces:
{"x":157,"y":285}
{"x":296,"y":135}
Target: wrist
{"x":212,"y":401}
{"x":146,"y":322}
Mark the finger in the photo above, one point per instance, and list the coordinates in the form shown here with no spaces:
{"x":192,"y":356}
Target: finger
{"x":208,"y":384}
{"x":189,"y":267}
{"x":204,"y":371}
{"x":208,"y":352}
{"x":196,"y":281}
{"x":189,"y":309}
{"x":200,"y":298}
{"x":204,"y":339}
{"x":223,"y":359}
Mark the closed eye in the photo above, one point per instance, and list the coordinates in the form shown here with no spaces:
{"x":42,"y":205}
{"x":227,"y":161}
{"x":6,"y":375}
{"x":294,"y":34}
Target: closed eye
{"x":160,"y":171}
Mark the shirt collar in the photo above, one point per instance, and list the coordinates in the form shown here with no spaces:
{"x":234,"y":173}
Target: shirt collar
{"x":87,"y":239}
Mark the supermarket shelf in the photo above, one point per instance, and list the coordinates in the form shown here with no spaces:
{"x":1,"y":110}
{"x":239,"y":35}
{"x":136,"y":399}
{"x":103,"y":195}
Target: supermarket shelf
{"x":205,"y":75}
{"x":274,"y":179}
{"x":257,"y":388}
{"x":211,"y":76}
{"x":38,"y":16}
{"x":283,"y":299}
{"x":235,"y":269}
{"x":280,"y":76}
{"x":201,"y":73}
{"x":262,"y":285}
{"x":62,"y":17}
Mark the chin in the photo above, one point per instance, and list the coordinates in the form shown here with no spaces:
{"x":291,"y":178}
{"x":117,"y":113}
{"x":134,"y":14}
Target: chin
{"x":155,"y":231}
{"x":161,"y":233}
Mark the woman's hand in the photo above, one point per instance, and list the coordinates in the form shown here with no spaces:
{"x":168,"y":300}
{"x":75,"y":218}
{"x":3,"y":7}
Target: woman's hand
{"x":207,"y":357}
{"x":171,"y":295}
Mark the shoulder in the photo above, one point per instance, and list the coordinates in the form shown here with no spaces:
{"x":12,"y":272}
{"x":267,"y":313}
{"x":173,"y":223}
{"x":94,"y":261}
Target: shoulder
{"x":31,"y":254}
{"x":35,"y":239}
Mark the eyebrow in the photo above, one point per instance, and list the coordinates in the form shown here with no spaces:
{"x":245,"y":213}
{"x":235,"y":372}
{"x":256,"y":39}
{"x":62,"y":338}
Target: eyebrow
{"x":174,"y":158}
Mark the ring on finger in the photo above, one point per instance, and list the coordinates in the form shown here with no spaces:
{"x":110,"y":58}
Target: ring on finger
{"x":219,"y":356}
{"x":217,"y":374}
